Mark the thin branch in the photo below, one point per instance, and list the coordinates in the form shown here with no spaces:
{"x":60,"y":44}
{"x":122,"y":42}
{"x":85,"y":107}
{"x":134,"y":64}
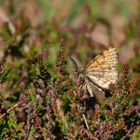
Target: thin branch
{"x":10,"y":109}
{"x":85,"y":121}
{"x":29,"y":118}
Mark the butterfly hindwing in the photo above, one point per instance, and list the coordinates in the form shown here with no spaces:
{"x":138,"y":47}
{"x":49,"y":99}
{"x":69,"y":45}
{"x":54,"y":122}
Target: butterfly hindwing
{"x":92,"y":88}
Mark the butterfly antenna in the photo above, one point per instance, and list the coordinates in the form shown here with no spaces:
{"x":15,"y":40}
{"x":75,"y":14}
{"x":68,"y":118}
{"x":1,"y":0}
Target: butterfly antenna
{"x":76,"y":68}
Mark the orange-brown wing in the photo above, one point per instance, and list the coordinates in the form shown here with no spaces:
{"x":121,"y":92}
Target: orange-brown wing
{"x":102,"y":70}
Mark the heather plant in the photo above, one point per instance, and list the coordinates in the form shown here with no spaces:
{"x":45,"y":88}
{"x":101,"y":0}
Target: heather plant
{"x":40,"y":96}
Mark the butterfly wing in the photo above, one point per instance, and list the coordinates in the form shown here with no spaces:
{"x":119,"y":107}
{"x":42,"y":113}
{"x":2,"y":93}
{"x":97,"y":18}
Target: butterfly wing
{"x":102,"y":70}
{"x":92,"y":89}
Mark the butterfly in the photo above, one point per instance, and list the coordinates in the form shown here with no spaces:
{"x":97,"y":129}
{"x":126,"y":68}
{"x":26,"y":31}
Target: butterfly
{"x":100,"y":72}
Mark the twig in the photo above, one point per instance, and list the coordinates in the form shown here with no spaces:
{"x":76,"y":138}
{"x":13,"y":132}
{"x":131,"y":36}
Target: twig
{"x":10,"y":109}
{"x":85,"y":121}
{"x":29,"y":117}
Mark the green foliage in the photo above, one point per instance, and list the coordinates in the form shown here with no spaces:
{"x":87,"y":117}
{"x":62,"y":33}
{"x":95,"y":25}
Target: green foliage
{"x":4,"y":74}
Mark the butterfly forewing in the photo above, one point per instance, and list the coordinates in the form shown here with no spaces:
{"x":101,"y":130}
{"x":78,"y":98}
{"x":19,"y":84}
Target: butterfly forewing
{"x":102,"y":70}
